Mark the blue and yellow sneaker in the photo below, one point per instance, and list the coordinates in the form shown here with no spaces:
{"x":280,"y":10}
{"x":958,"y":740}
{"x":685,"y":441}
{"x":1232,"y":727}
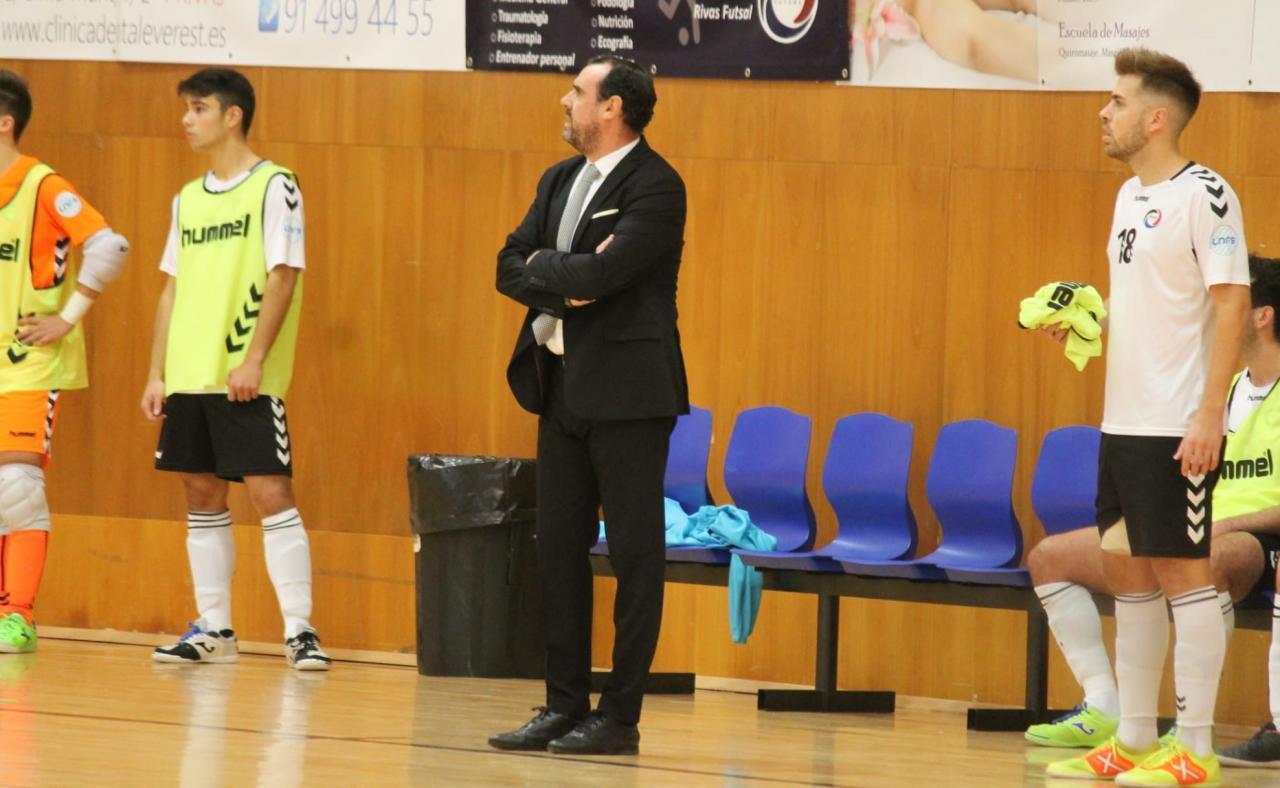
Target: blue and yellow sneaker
{"x":1084,"y":726}
{"x":1104,"y":762}
{"x":16,"y":635}
{"x":200,"y":645}
{"x":1174,"y":765}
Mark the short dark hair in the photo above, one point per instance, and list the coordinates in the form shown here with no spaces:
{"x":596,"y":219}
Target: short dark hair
{"x":231,"y":88}
{"x":631,"y":82}
{"x":1161,"y":74}
{"x":1264,"y":286}
{"x":15,"y":101}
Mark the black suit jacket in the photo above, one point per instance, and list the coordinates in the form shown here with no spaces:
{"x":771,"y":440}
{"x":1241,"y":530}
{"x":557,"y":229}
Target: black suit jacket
{"x":622,"y":353}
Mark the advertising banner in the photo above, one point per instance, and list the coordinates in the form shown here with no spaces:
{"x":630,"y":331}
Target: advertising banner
{"x":1264,"y":66}
{"x":984,"y":44}
{"x":1079,"y":40}
{"x":412,"y":35}
{"x":745,"y":39}
{"x":943,"y":45}
{"x":1054,"y":44}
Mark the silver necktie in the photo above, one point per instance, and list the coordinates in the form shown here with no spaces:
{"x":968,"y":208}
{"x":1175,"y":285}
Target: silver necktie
{"x":545,"y":327}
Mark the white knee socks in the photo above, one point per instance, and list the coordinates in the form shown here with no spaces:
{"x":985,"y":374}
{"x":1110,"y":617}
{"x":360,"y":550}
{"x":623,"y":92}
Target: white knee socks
{"x":211,"y":551}
{"x":289,"y":565}
{"x":1197,"y":664}
{"x":1142,"y":639}
{"x":1077,"y":627}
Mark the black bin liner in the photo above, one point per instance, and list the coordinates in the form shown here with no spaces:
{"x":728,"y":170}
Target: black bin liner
{"x":479,"y":599}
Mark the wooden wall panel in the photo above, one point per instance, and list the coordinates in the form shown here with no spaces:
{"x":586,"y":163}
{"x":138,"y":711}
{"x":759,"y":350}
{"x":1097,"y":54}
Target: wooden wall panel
{"x":131,"y":575}
{"x":742,"y":120}
{"x":812,"y":123}
{"x":846,"y":250}
{"x":925,"y":121}
{"x":1260,"y":198}
{"x":1258,"y":120}
{"x":1215,"y":135}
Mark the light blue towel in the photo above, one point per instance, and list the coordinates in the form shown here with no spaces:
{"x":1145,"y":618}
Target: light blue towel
{"x":732,"y":527}
{"x":724,"y":526}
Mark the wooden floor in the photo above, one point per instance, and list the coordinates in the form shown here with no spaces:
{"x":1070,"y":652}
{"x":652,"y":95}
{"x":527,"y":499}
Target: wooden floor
{"x":78,"y":713}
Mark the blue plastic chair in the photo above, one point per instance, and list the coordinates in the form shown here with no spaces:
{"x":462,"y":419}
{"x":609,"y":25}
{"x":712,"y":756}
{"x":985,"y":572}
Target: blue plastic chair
{"x":764,"y":469}
{"x":970,"y":485}
{"x":865,"y":479}
{"x":1063,"y":492}
{"x":686,"y":475}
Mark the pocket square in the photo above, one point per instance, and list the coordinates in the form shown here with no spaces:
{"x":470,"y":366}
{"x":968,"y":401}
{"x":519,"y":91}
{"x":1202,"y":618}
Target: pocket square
{"x":609,"y":212}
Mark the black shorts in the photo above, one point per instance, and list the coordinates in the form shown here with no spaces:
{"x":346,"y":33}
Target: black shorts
{"x":207,"y":433}
{"x":1270,"y":556}
{"x":1166,"y":514}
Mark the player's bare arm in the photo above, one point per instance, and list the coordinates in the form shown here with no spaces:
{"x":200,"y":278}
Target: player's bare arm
{"x":105,"y":253}
{"x":1200,"y":448}
{"x":153,"y":394}
{"x":47,"y":329}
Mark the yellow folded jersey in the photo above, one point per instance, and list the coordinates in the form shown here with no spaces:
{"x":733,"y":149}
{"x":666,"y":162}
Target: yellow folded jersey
{"x":1071,"y":305}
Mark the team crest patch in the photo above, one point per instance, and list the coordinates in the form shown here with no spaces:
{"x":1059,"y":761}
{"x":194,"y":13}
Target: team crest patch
{"x":786,"y":21}
{"x":67,"y":205}
{"x":1224,"y":240}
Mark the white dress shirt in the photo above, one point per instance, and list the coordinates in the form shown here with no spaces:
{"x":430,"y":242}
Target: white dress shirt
{"x":605,"y":164}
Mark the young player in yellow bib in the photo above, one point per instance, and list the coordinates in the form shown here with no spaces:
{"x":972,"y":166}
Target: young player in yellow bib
{"x":225,"y":332}
{"x":41,"y":217}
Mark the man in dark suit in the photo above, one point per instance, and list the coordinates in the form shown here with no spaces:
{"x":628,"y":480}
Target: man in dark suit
{"x":598,"y":359}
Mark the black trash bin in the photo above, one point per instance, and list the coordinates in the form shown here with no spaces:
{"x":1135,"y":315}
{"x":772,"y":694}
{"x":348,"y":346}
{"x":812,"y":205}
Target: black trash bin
{"x":479,"y":600}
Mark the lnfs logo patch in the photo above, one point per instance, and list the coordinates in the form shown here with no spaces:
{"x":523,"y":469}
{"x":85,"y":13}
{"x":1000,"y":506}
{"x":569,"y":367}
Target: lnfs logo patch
{"x":67,"y":205}
{"x":787,"y":21}
{"x":1224,"y":240}
{"x":1152,"y":219}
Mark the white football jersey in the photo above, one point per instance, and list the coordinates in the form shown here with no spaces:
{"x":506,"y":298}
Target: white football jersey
{"x":1170,"y":242}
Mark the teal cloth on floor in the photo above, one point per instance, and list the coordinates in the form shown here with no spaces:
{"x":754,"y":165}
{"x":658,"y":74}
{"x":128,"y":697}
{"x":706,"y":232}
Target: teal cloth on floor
{"x":724,"y":526}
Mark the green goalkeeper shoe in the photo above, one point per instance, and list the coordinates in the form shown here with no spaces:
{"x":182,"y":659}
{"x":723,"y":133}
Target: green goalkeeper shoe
{"x":16,"y":635}
{"x":1083,"y":727}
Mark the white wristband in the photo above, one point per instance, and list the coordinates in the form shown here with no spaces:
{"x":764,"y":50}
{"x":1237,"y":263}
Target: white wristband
{"x":77,"y":307}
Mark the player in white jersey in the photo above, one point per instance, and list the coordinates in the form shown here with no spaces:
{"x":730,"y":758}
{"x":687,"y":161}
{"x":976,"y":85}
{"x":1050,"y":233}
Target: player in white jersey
{"x":1066,"y":567}
{"x":1179,"y":304}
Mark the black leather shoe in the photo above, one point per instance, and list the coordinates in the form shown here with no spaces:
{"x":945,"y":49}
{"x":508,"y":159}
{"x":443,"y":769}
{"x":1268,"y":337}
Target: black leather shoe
{"x":536,"y":733}
{"x":597,"y":735}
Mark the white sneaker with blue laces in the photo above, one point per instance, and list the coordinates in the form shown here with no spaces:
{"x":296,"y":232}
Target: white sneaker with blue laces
{"x":199,"y":645}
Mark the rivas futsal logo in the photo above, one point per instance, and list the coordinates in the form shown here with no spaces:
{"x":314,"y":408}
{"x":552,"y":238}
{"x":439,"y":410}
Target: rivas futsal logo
{"x":787,"y":21}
